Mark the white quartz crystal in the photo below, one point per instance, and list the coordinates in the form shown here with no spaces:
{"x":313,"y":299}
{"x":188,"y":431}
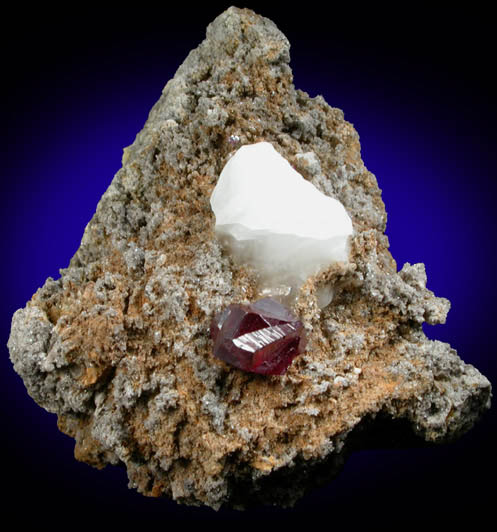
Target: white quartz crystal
{"x":271,"y":218}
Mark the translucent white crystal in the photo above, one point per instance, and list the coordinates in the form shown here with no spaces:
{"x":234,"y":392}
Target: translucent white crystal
{"x":270,"y":217}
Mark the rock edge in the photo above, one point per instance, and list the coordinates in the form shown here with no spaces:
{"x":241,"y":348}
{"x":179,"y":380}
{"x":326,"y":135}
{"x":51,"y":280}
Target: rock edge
{"x":118,"y":346}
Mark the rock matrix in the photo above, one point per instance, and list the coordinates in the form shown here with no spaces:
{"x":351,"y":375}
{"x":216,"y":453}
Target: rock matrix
{"x":119,"y":346}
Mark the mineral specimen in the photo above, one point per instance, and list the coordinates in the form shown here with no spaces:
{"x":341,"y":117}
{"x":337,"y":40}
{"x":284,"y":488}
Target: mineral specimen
{"x":263,"y":337}
{"x":272,"y":218}
{"x":119,"y":346}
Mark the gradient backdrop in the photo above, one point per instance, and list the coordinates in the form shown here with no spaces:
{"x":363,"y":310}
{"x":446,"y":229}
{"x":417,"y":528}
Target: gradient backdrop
{"x":416,"y":86}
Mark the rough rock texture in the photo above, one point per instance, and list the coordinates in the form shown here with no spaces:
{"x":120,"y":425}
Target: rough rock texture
{"x":119,"y":346}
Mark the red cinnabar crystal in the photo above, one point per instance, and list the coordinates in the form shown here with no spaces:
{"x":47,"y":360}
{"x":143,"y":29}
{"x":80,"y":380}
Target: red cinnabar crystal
{"x":263,"y":337}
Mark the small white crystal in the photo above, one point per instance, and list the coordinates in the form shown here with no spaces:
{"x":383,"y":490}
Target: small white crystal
{"x":273,"y":219}
{"x":324,"y":295}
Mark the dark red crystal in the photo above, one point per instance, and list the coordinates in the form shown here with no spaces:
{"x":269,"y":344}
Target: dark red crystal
{"x":263,"y":337}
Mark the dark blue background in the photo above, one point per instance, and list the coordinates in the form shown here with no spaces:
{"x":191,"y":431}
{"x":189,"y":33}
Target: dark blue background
{"x":416,"y":85}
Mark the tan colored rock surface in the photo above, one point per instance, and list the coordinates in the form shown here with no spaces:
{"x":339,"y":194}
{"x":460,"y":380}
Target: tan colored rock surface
{"x":119,"y":346}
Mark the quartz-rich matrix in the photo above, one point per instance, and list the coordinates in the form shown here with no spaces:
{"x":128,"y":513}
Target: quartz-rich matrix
{"x":119,"y":346}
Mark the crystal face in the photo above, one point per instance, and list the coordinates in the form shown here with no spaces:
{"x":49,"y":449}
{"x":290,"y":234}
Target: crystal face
{"x":263,"y":337}
{"x":270,"y":217}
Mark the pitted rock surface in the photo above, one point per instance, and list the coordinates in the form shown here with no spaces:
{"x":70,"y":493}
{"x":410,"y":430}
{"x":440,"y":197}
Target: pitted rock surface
{"x":118,"y":347}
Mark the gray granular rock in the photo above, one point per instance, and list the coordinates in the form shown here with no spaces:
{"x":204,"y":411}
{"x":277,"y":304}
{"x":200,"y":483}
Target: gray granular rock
{"x":119,"y":346}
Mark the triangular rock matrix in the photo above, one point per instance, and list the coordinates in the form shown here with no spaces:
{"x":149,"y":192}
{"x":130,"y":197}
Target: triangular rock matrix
{"x":118,"y":347}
